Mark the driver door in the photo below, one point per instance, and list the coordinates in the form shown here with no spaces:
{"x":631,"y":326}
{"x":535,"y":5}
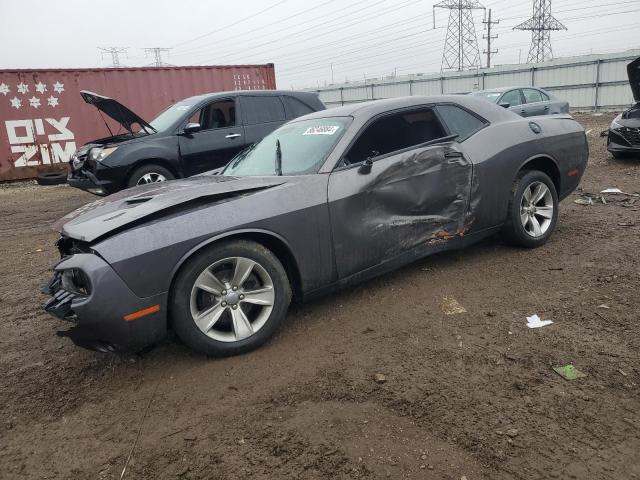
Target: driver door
{"x":219,"y":139}
{"x":410,"y":195}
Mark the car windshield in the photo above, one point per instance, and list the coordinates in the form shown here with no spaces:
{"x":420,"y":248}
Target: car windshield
{"x":169,"y":116}
{"x":491,"y":96}
{"x":304,"y":145}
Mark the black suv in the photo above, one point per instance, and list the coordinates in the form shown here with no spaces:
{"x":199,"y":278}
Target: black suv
{"x":193,"y":136}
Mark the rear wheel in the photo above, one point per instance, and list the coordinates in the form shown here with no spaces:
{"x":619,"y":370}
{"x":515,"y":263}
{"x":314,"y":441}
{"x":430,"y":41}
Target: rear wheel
{"x":230,"y":298}
{"x":533,"y":210}
{"x":150,"y":173}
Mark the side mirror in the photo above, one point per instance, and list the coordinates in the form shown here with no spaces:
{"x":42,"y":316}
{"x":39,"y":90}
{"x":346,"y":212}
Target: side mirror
{"x":365,"y":167}
{"x":504,"y":104}
{"x":191,"y":128}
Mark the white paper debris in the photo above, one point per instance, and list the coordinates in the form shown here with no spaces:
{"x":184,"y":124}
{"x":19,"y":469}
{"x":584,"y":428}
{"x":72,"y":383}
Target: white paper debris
{"x":535,"y":322}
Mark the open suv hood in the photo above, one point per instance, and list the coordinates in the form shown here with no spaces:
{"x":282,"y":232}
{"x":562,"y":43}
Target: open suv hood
{"x":115,"y":110}
{"x":633,"y":70}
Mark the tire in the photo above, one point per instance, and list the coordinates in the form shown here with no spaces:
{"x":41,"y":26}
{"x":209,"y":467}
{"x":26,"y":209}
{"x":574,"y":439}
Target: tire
{"x":52,"y":178}
{"x":522,"y":217}
{"x":150,"y":173}
{"x":226,"y":309}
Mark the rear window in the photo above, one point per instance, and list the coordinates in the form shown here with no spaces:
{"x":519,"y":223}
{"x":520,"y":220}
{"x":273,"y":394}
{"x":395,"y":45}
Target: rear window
{"x":296,"y":107}
{"x":531,"y":95}
{"x":258,"y":110}
{"x":459,"y":121}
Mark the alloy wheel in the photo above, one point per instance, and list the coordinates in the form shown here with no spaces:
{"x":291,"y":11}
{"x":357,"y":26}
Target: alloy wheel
{"x":151,"y":177}
{"x":536,"y":209}
{"x":232,"y":299}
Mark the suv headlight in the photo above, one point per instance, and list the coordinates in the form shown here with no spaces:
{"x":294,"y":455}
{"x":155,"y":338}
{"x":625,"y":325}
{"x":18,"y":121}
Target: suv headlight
{"x":99,"y":154}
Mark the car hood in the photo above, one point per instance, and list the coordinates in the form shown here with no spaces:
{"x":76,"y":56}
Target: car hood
{"x":115,"y":110}
{"x":130,"y":207}
{"x":633,"y":70}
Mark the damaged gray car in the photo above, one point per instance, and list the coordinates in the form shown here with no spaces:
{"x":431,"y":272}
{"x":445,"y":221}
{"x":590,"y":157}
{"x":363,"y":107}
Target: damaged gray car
{"x":623,"y":137}
{"x":325,"y":201}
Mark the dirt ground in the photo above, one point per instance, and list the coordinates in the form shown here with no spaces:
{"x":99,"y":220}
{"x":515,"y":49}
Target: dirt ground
{"x":466,"y":395}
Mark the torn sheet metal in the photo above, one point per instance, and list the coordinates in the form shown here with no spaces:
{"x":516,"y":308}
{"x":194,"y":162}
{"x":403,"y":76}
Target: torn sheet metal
{"x":406,"y":200}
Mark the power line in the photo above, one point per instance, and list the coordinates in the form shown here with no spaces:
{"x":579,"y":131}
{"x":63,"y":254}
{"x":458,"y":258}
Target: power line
{"x":461,"y":45}
{"x":488,"y":37}
{"x":230,"y":24}
{"x":540,"y":25}
{"x":114,"y":52}
{"x":157,"y":54}
{"x":286,"y":38}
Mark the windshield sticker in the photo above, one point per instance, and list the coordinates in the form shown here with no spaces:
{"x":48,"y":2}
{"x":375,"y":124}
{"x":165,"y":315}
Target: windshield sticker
{"x":322,"y":130}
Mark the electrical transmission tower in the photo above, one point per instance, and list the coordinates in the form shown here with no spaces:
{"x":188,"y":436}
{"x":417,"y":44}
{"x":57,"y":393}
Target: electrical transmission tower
{"x":461,"y":46}
{"x":541,"y":24}
{"x":157,"y":54}
{"x":114,"y":52}
{"x":488,"y":37}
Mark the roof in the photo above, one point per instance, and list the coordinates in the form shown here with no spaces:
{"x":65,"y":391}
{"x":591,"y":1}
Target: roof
{"x":253,"y":93}
{"x":372,"y":108}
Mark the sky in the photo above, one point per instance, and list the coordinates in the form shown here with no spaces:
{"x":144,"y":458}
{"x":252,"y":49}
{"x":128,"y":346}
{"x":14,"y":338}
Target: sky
{"x":311,"y":43}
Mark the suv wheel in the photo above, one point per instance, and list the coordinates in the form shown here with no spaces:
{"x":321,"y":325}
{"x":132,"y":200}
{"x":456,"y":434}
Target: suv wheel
{"x":149,"y":174}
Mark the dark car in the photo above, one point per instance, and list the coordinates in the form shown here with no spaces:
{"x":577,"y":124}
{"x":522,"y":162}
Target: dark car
{"x":323,"y":202}
{"x":525,"y":101}
{"x":195,"y":135}
{"x":624,"y":132}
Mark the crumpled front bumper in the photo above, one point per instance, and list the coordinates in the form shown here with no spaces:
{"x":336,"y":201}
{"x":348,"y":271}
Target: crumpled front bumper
{"x":627,"y":141}
{"x":110,"y":317}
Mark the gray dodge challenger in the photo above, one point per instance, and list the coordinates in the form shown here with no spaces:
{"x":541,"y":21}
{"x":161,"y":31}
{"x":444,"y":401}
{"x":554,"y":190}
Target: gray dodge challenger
{"x":323,"y":202}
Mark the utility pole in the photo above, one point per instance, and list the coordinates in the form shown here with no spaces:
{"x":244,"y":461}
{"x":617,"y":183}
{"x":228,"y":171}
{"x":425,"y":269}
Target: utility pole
{"x":461,"y":50}
{"x":540,"y":24}
{"x":488,"y":37}
{"x":157,"y":54}
{"x":114,"y":52}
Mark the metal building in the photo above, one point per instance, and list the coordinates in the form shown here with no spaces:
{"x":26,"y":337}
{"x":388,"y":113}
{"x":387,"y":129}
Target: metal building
{"x":590,"y":82}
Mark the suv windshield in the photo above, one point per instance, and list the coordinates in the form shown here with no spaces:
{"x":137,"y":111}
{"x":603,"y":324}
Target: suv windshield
{"x":491,"y":96}
{"x":304,"y":146}
{"x":169,"y":116}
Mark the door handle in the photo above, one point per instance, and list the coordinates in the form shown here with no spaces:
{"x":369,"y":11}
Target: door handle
{"x":546,"y":107}
{"x":231,"y":136}
{"x":453,"y":154}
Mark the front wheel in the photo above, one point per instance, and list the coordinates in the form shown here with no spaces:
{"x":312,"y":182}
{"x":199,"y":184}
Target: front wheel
{"x":230,"y":298}
{"x":533,"y":210}
{"x":150,"y":173}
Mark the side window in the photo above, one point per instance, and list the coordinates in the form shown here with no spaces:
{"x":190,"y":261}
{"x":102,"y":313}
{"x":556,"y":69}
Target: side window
{"x":265,"y":109}
{"x":219,"y":114}
{"x":512,"y":97}
{"x":296,"y":107}
{"x":531,"y":95}
{"x":395,"y":132}
{"x":545,"y":97}
{"x":459,"y":121}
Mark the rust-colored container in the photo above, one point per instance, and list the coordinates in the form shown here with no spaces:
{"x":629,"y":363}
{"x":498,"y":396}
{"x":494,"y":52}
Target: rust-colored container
{"x":43,"y":119}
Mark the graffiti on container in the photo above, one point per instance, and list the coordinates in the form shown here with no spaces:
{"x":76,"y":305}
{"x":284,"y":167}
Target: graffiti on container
{"x":40,"y":141}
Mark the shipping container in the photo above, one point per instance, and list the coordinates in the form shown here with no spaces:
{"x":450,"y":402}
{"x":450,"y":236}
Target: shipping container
{"x":44,"y":119}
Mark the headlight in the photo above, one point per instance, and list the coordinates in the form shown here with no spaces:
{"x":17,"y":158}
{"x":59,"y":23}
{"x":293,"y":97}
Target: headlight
{"x":615,"y":125}
{"x":76,"y":163}
{"x":74,"y":280}
{"x":99,"y":154}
